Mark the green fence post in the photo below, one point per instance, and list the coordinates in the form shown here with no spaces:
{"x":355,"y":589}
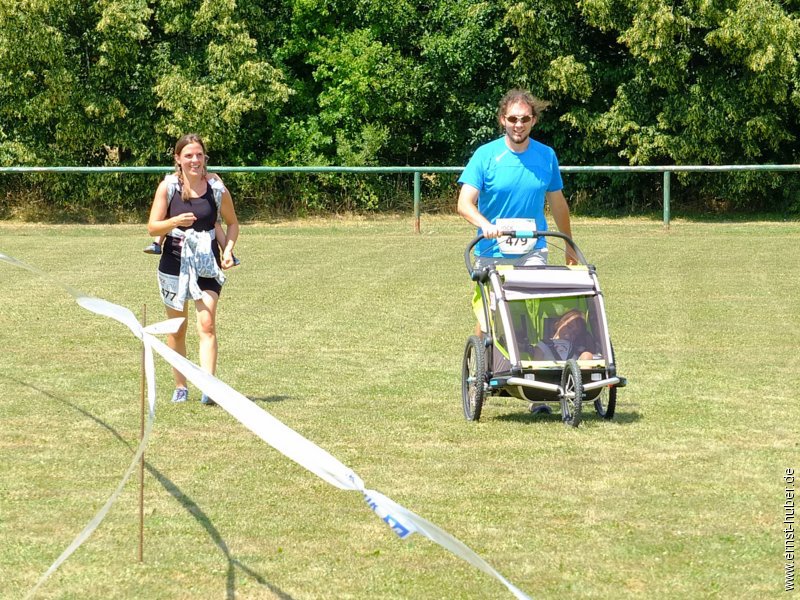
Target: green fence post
{"x":666,"y":199}
{"x":417,"y":186}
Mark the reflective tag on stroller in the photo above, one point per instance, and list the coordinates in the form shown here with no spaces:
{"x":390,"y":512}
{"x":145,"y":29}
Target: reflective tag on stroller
{"x":511,"y":245}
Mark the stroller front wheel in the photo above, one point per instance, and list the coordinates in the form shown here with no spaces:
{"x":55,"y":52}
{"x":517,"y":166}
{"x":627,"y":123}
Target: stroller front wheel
{"x":572,"y":395}
{"x":473,"y":378}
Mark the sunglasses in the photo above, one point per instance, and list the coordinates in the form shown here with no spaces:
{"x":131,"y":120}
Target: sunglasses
{"x":513,"y":120}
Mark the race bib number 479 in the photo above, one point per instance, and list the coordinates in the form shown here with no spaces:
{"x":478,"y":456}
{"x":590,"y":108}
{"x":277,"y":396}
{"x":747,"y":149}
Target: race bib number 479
{"x":512,"y":245}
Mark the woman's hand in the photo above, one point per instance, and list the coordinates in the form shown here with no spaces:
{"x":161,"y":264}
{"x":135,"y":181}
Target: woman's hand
{"x":227,"y":259}
{"x":184,"y":219}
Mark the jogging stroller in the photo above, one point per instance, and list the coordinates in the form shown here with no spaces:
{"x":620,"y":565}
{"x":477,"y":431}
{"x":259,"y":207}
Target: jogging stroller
{"x":544,"y":330}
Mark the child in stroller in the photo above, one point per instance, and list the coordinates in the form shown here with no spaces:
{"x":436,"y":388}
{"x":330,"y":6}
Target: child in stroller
{"x":570,"y":339}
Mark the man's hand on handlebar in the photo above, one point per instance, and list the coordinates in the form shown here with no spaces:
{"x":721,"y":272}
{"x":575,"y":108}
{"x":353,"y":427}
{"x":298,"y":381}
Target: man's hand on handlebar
{"x":491,"y":232}
{"x":570,"y":256}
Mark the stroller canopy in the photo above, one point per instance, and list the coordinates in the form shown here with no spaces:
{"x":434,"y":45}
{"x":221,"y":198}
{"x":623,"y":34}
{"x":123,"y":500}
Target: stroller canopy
{"x":521,"y":284}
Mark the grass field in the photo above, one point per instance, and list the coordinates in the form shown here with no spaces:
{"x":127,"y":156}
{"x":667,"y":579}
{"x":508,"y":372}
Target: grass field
{"x":351,"y":332}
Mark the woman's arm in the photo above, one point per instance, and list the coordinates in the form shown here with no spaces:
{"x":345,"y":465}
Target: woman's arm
{"x":219,"y":234}
{"x":158,"y":224}
{"x":232,"y":228}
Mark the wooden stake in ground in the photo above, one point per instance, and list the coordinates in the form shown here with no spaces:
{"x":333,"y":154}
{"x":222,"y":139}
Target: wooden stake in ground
{"x":141,"y":437}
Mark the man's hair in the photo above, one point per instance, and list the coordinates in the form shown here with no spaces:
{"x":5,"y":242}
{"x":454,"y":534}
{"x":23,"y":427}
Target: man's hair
{"x":519,"y":95}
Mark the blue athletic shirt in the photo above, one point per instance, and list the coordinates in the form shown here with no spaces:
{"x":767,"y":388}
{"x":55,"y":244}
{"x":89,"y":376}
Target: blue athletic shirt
{"x":512,"y":185}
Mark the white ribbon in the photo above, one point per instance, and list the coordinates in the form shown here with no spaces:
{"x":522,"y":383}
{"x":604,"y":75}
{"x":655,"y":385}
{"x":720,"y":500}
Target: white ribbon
{"x":125,"y":316}
{"x":284,"y":439}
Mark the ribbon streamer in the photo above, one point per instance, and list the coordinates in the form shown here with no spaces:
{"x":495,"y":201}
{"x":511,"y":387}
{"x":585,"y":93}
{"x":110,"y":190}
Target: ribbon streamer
{"x":275,"y":433}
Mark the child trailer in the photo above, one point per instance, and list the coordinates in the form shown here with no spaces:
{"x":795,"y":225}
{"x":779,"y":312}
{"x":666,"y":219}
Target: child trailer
{"x":544,"y":330}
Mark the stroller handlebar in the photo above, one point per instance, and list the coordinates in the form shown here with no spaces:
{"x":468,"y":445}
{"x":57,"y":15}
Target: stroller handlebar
{"x":521,"y":234}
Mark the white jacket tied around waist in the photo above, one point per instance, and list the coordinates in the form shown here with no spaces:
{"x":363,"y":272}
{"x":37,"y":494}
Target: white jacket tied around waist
{"x":197,"y":260}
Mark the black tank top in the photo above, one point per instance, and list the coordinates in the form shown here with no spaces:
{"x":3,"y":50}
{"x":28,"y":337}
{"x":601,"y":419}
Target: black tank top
{"x":205,"y":209}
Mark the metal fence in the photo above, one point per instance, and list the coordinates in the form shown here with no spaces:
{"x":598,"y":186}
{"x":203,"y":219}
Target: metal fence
{"x":417,"y":172}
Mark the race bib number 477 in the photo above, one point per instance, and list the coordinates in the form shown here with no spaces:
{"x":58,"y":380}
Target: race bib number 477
{"x":168,"y":284}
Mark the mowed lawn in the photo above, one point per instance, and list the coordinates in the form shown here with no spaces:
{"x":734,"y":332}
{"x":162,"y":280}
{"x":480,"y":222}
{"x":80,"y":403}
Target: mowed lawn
{"x":351,"y":331}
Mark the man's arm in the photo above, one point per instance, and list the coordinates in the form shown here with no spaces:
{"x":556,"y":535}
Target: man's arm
{"x":560,"y":211}
{"x":468,"y":208}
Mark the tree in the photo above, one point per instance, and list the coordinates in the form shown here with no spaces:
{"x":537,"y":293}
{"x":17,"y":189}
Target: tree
{"x":362,"y":82}
{"x":211,"y":76}
{"x":662,"y":83}
{"x":117,"y":81}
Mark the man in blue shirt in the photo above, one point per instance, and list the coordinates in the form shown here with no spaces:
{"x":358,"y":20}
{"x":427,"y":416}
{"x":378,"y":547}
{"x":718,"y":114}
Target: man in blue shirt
{"x":507,"y":181}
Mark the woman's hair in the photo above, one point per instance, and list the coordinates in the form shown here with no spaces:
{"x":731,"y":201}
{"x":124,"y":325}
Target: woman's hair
{"x":517,"y":95}
{"x":189,"y":138}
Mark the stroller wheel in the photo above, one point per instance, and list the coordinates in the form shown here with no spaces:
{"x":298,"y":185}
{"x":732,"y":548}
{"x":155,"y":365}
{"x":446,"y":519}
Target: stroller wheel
{"x":606,"y":403}
{"x":572,"y":397}
{"x":473,"y":378}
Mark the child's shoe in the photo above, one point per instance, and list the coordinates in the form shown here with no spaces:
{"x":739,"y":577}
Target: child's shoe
{"x":154,"y":248}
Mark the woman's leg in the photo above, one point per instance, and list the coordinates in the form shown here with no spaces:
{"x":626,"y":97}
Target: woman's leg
{"x":177,"y":341}
{"x":207,"y":330}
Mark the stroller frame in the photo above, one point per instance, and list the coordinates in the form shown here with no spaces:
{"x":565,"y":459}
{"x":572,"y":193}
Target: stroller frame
{"x":499,"y":362}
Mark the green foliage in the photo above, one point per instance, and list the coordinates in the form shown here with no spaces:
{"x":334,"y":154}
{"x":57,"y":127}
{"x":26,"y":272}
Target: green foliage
{"x":211,"y":78}
{"x":465,"y":51}
{"x":362,"y":82}
{"x":694,"y":83}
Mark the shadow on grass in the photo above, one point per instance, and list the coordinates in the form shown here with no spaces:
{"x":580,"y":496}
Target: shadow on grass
{"x":588,"y":415}
{"x":268,"y":399}
{"x":186,"y":502}
{"x":193,"y":509}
